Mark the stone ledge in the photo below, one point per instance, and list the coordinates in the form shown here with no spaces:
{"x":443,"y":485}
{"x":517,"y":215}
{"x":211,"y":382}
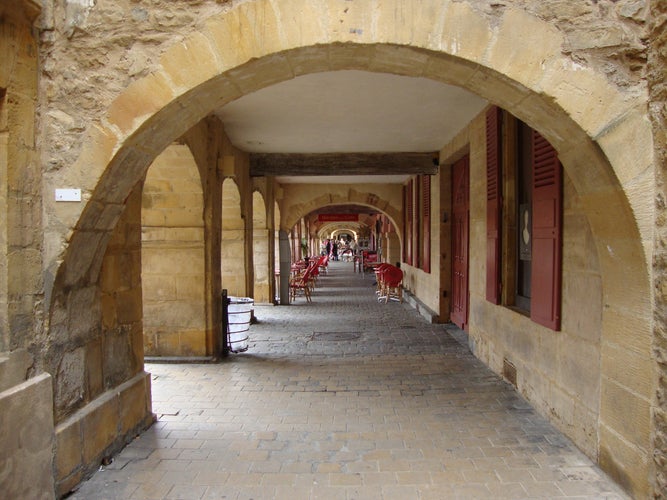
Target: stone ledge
{"x":117,"y":407}
{"x":180,"y":359}
{"x":26,"y":440}
{"x":419,"y":306}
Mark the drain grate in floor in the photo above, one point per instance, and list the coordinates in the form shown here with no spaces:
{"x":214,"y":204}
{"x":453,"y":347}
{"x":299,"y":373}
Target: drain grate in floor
{"x":335,"y":336}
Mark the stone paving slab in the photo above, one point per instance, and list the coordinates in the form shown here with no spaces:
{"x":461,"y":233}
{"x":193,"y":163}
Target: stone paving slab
{"x":345,"y":398}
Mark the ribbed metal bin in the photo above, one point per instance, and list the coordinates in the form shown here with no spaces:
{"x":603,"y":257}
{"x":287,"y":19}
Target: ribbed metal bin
{"x":239,"y":313}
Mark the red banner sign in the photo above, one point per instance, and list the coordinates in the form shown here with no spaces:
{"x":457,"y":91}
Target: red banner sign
{"x":338,"y":217}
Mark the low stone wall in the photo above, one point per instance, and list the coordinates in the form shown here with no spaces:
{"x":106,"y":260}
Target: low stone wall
{"x":99,"y":430}
{"x":26,"y":439}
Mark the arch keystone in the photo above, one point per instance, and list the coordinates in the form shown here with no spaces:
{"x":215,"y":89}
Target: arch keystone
{"x":465,"y":33}
{"x":295,"y":32}
{"x":247,"y":31}
{"x":409,"y":23}
{"x":191,"y":62}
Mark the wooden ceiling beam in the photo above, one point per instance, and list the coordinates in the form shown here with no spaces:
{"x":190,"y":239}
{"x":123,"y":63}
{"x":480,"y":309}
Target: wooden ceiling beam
{"x":294,"y":164}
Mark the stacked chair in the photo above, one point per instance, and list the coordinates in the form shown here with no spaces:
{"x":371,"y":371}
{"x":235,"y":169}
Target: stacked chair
{"x":389,"y":282}
{"x":304,"y":277}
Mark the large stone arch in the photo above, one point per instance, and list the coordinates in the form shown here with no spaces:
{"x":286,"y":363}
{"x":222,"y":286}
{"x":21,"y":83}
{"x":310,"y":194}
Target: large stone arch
{"x":172,"y":256}
{"x":323,"y":197}
{"x":515,"y":60}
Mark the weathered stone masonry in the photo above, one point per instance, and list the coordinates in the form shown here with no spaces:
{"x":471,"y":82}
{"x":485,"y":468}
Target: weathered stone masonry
{"x":657,"y":78}
{"x":119,"y":81}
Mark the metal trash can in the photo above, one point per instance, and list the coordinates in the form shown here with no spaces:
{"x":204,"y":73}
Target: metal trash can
{"x":239,"y":314}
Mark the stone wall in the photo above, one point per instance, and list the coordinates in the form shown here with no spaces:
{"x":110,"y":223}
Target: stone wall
{"x":173,"y":258}
{"x":103,"y":396}
{"x":26,"y":440}
{"x":20,"y":179}
{"x":658,"y":109}
{"x":26,"y":397}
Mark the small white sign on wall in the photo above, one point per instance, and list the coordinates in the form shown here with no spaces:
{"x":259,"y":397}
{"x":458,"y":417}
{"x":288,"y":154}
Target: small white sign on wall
{"x":68,"y":195}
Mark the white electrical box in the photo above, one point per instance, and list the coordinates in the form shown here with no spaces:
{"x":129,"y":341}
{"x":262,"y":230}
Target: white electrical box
{"x":68,"y":195}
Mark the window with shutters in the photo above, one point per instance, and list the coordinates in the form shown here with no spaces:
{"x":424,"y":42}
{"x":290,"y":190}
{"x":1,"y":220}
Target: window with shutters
{"x":523,"y":217}
{"x":524,"y":198}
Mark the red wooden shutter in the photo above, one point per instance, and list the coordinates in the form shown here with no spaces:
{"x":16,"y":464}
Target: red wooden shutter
{"x":426,"y":221}
{"x":546,"y":251}
{"x":460,"y":241}
{"x":416,"y":224}
{"x":408,"y":229}
{"x":493,"y":204}
{"x":405,"y":224}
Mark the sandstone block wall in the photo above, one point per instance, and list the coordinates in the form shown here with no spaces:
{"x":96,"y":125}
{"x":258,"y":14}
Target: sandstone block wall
{"x":26,"y":440}
{"x":100,"y":430}
{"x":20,"y":178}
{"x":173,"y":268}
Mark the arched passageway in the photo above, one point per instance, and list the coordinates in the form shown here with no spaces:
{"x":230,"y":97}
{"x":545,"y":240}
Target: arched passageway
{"x":172,"y":256}
{"x":233,"y":241}
{"x":347,"y":397}
{"x":199,"y":75}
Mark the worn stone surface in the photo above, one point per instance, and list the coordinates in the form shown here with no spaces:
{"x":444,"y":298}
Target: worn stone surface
{"x":20,"y":181}
{"x":173,"y":256}
{"x":26,"y":441}
{"x":379,"y":404}
{"x":658,"y":112}
{"x":99,"y":430}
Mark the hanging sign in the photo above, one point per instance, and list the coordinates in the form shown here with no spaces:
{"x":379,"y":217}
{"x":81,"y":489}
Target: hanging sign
{"x":338,"y":217}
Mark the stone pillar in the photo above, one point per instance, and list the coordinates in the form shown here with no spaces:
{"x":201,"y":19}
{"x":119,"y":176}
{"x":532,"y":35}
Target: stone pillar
{"x":20,"y":179}
{"x":261,"y":290}
{"x":285,"y":265}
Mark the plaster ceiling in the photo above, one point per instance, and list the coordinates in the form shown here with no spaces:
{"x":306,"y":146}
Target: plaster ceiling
{"x":349,"y":112}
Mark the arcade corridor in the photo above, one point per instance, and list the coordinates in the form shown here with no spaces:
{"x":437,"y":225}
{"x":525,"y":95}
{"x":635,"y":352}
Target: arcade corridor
{"x":345,"y":398}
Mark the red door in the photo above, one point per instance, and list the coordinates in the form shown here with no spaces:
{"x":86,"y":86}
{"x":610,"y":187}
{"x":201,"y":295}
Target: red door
{"x":460,"y":210}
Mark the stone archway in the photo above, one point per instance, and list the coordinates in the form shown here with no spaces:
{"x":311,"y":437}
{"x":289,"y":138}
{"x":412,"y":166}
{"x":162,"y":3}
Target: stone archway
{"x":601,"y":133}
{"x":306,"y":198}
{"x":172,"y":275}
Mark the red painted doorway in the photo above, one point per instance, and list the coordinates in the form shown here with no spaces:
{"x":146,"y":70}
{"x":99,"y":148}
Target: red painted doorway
{"x":460,"y":232}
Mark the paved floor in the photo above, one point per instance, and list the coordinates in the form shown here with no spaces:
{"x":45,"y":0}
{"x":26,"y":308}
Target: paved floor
{"x":345,"y":398}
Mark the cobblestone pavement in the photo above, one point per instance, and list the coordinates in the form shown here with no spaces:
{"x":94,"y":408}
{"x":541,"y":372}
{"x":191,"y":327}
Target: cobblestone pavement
{"x":345,"y":398}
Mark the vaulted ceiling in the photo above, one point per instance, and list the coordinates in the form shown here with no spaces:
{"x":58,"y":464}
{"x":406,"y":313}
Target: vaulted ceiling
{"x":349,"y":112}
